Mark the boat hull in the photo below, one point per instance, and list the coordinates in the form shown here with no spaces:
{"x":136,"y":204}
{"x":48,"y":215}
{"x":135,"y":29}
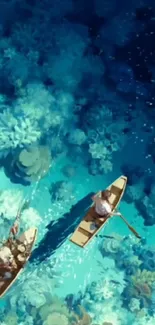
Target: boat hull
{"x":21,"y":249}
{"x":92,"y":223}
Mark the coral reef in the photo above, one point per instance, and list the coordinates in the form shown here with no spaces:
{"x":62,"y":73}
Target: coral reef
{"x":30,"y":217}
{"x":17,"y":132}
{"x":57,"y":312}
{"x":77,"y":82}
{"x":140,"y":287}
{"x":124,"y":277}
{"x":31,"y":164}
{"x":148,"y":259}
{"x":10,"y":200}
{"x":77,"y":137}
{"x":148,"y":211}
{"x":153,"y":298}
{"x":111,"y":246}
{"x":11,"y":318}
{"x":141,"y":194}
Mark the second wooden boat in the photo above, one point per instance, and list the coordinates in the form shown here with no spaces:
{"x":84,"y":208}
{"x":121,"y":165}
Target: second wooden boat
{"x":21,"y":249}
{"x":91,"y":223}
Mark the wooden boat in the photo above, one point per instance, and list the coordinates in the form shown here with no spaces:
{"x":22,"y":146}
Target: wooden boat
{"x":21,"y":249}
{"x":92,"y":223}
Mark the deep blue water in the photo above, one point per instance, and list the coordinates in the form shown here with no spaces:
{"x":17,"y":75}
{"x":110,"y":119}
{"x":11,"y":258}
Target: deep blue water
{"x":77,"y":110}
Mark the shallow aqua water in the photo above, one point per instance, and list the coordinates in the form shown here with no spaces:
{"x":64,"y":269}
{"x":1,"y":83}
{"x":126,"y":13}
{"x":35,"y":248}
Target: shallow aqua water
{"x":77,"y":111}
{"x":70,"y":269}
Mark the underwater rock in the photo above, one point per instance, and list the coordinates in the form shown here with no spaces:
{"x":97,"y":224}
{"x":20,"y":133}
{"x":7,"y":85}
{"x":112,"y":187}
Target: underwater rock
{"x":146,"y":206}
{"x":153,"y":298}
{"x":140,"y":287}
{"x":112,"y":284}
{"x":93,"y":167}
{"x":144,"y":276}
{"x":57,"y":313}
{"x":147,"y":210}
{"x":77,"y":137}
{"x":134,"y":193}
{"x":72,"y":300}
{"x":105,"y":166}
{"x":30,"y":164}
{"x":10,"y":200}
{"x":148,"y":259}
{"x":134,"y":305}
{"x":81,"y":317}
{"x":141,"y":291}
{"x":133,"y":173}
{"x":98,"y":150}
{"x":17,"y":131}
{"x":112,"y":246}
{"x":61,"y":190}
{"x":69,"y":171}
{"x":56,"y":319}
{"x":130,"y":263}
{"x":11,"y":319}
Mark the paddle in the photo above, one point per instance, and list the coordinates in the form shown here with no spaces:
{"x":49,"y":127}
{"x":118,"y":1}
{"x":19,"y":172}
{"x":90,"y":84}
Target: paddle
{"x":130,"y":227}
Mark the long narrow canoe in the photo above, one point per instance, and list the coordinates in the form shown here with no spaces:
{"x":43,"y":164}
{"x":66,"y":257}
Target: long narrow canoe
{"x":21,"y":249}
{"x":92,"y":223}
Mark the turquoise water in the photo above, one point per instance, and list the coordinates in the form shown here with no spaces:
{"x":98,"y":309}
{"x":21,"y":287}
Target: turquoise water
{"x":76,"y":112}
{"x":71,"y":270}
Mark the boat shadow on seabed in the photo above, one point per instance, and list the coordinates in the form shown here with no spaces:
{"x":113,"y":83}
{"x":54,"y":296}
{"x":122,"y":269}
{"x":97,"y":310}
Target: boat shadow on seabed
{"x":58,"y":231}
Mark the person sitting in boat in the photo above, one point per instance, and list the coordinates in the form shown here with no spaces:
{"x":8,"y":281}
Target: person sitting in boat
{"x":14,"y":229}
{"x":6,"y":258}
{"x":102,"y":205}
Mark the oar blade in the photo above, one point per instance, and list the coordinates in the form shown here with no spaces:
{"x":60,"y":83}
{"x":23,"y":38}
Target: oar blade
{"x":135,"y":232}
{"x":130,"y":227}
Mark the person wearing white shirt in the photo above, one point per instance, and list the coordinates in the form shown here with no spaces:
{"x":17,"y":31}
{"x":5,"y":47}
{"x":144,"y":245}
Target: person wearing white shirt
{"x":102,"y":205}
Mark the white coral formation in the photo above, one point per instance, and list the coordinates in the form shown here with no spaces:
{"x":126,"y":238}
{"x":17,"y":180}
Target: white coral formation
{"x":98,"y":150}
{"x":134,"y":304}
{"x":35,"y":102}
{"x":105,"y":290}
{"x":112,"y":318}
{"x":145,"y":320}
{"x":135,"y":192}
{"x":30,"y":217}
{"x":28,"y":321}
{"x":32,"y":115}
{"x":17,"y":132}
{"x":110,"y":312}
{"x":10,"y":203}
{"x":56,"y":319}
{"x":111,"y":245}
{"x":55,"y":312}
{"x":106,"y":165}
{"x":117,"y":278}
{"x":10,"y":200}
{"x":111,"y":285}
{"x":33,"y":293}
{"x":77,"y":137}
